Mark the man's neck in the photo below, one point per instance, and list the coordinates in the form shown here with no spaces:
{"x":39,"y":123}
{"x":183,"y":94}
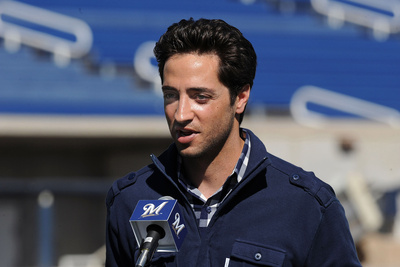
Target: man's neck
{"x":208,"y":176}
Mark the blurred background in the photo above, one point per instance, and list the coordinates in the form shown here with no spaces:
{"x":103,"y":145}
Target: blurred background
{"x":80,"y":106}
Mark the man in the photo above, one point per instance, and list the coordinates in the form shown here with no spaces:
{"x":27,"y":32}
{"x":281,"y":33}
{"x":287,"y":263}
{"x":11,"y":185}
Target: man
{"x":242,"y":206}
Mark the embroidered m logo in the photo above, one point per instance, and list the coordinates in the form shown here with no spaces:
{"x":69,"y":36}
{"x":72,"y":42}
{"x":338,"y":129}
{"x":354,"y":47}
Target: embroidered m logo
{"x":151,"y":210}
{"x":176,"y":226}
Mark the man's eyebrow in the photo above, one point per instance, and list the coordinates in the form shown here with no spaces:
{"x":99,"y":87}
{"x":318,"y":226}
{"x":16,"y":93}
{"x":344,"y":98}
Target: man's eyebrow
{"x":200,"y":89}
{"x":166,"y":87}
{"x":196,"y":89}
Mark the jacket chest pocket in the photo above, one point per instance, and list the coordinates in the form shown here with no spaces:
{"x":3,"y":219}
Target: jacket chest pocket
{"x":250,"y":254}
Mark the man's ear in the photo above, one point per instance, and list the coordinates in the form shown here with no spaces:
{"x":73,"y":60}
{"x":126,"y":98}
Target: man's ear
{"x":242,"y":99}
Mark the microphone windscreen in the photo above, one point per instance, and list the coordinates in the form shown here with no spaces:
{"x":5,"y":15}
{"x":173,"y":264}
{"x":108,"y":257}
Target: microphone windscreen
{"x":164,"y":213}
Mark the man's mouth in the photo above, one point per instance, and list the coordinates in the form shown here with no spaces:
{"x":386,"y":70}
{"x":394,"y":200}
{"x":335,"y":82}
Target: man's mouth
{"x":185,"y":135}
{"x":185,"y":132}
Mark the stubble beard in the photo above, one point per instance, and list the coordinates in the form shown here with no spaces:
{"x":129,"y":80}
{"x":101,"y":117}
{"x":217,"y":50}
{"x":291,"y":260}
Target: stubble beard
{"x":209,"y":149}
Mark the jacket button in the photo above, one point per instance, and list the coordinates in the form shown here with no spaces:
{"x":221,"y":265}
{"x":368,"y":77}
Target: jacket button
{"x":131,"y":176}
{"x":257,"y":256}
{"x":208,"y":209}
{"x":296,"y":177}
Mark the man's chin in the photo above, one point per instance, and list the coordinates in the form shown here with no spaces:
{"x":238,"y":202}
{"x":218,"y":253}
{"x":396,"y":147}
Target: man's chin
{"x":187,"y":152}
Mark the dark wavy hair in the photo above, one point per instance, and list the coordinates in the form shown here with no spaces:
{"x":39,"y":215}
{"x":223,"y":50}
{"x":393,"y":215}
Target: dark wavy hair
{"x":238,"y":60}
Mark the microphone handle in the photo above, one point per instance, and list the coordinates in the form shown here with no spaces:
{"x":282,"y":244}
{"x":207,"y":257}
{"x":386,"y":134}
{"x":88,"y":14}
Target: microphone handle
{"x":149,"y":245}
{"x":142,"y":260}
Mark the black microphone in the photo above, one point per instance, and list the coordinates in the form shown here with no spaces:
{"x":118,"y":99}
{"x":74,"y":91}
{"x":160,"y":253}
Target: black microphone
{"x":157,"y":226}
{"x":150,"y":243}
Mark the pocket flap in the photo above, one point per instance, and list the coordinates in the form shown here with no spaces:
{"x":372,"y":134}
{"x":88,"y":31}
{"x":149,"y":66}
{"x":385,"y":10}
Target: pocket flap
{"x":258,"y":254}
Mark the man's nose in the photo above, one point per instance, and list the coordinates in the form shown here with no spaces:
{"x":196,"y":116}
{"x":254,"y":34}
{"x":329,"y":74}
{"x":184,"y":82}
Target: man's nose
{"x":184,"y":110}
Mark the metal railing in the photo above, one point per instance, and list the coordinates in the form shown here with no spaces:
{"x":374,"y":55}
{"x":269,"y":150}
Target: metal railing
{"x":382,"y":16}
{"x":64,"y":36}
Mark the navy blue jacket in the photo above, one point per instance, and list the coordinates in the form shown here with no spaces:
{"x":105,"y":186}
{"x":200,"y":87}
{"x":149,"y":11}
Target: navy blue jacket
{"x":279,"y":215}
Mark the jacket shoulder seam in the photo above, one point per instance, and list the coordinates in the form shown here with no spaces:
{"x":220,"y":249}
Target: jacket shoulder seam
{"x":125,"y":182}
{"x":321,"y":191}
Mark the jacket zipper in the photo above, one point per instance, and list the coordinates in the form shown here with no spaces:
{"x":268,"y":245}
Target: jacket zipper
{"x":157,"y":164}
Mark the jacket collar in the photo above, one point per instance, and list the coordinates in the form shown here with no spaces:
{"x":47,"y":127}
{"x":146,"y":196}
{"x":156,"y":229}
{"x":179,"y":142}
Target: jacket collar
{"x":167,"y":162}
{"x":258,"y":154}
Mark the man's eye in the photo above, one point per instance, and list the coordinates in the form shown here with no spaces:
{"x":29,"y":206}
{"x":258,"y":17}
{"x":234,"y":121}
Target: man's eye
{"x":202,"y":97}
{"x":169,"y":96}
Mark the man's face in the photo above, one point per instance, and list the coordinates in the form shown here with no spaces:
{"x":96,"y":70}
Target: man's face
{"x":197,"y":105}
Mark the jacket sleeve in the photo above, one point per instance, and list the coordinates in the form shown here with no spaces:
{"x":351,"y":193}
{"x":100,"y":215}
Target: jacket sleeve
{"x":120,"y":244}
{"x":112,"y":247}
{"x":333,"y":244}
